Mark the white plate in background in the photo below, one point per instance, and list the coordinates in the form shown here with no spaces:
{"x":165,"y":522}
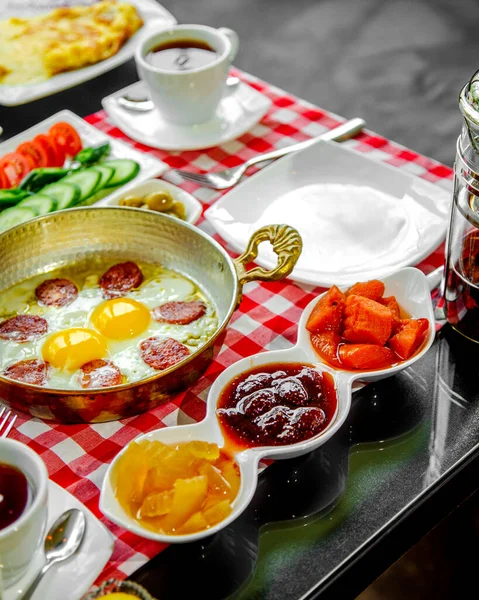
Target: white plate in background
{"x":237,"y":113}
{"x":191,"y":204}
{"x":72,"y":578}
{"x":155,"y":17}
{"x":359,"y":219}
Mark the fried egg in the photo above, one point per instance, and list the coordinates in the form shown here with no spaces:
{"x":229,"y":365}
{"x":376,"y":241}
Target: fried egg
{"x":92,"y":327}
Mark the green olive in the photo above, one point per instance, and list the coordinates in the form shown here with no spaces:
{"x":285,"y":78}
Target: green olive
{"x":178,"y":210}
{"x":160,"y":201}
{"x":132,"y":201}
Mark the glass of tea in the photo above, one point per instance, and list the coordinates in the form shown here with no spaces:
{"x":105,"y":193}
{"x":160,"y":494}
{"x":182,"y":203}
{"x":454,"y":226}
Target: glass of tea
{"x":23,"y":508}
{"x":461,"y":289}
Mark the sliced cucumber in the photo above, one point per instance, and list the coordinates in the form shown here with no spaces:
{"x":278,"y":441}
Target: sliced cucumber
{"x":42,"y":204}
{"x":125,"y":170}
{"x":106,"y":174}
{"x":16,"y":215}
{"x":11,"y":197}
{"x":86,"y":179}
{"x":65,"y":194}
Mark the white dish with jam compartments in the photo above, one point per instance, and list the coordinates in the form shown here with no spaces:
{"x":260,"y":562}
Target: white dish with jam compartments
{"x":410,"y":286}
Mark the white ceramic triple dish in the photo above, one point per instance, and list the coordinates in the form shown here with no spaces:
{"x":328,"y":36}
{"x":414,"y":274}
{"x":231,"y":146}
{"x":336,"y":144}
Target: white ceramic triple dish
{"x":411,"y":289}
{"x":359,"y":219}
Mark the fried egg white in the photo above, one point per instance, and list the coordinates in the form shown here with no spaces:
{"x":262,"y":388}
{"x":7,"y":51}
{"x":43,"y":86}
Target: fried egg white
{"x":91,"y":327}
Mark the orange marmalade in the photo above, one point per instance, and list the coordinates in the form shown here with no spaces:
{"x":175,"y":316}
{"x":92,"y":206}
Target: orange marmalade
{"x":178,"y":489}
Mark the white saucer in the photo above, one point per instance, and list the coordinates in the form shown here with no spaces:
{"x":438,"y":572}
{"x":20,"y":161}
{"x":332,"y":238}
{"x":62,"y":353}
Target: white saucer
{"x":72,"y":578}
{"x":236,"y":114}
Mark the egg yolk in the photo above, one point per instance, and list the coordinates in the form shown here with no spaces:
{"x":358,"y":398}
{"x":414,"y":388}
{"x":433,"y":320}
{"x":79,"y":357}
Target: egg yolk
{"x":121,"y":318}
{"x":71,"y":348}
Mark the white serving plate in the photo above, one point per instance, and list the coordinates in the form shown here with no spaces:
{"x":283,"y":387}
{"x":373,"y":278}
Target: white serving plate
{"x":191,"y":204}
{"x":155,"y":17}
{"x":359,"y":219}
{"x":411,"y":288}
{"x":72,"y":578}
{"x":91,"y":136}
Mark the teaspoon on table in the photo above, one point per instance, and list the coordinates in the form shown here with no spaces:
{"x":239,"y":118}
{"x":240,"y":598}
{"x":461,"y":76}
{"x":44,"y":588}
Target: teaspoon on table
{"x":145,"y":104}
{"x":61,"y":542}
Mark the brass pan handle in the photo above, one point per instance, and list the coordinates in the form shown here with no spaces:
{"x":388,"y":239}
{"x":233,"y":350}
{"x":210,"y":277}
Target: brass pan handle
{"x":287,"y":244}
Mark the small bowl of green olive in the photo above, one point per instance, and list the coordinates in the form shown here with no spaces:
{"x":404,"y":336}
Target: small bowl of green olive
{"x":158,"y":196}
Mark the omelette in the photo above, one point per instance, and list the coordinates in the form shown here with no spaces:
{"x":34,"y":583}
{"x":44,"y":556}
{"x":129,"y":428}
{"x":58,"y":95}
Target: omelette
{"x":37,"y":48}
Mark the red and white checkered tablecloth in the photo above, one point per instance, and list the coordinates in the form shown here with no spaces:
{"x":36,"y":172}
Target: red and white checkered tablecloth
{"x":77,"y":456}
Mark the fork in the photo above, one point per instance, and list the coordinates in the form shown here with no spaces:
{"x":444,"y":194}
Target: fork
{"x":8,"y":421}
{"x":221,"y":180}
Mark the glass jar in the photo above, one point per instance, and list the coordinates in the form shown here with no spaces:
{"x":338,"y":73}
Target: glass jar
{"x":461,"y":289}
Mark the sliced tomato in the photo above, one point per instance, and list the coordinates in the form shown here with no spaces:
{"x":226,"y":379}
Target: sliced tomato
{"x":67,"y":138}
{"x":3,"y":180}
{"x":59,"y":150}
{"x":35,"y":152}
{"x":15,"y":166}
{"x":55,"y":157}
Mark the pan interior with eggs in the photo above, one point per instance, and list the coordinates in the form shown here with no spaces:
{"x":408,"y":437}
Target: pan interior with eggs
{"x":101,"y":323}
{"x":107,"y":312}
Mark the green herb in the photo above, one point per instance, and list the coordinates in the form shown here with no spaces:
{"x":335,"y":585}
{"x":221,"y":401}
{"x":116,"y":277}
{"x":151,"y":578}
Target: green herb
{"x":90,"y":156}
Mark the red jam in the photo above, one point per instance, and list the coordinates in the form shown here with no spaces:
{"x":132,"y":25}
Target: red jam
{"x":276,"y":405}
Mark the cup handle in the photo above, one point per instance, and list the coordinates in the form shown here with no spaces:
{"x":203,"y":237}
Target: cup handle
{"x":287,"y":245}
{"x":233,"y":38}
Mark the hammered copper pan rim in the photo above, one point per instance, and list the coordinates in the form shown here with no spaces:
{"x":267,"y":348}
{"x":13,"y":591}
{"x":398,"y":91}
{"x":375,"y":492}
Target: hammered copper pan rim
{"x":151,"y":378}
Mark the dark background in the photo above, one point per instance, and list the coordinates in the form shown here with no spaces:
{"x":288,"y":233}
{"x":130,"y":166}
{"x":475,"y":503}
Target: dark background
{"x":398,"y":63}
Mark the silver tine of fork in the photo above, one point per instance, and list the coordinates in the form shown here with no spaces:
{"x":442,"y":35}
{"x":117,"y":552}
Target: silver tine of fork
{"x":222,"y":180}
{"x":197,"y":177}
{"x":8,"y":421}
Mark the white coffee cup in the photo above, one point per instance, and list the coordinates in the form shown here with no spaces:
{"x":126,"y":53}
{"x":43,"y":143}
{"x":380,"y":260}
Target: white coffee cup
{"x":191,"y":96}
{"x":20,"y":540}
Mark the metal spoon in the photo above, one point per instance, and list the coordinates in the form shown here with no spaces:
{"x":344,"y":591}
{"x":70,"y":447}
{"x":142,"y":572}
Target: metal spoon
{"x":145,"y":104}
{"x":62,"y":541}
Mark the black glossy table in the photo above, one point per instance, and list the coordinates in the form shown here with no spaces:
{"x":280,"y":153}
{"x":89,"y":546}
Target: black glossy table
{"x":327,"y":524}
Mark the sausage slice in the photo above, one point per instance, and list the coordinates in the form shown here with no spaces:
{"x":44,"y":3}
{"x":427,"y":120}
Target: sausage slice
{"x":162,"y":353}
{"x":56,"y":292}
{"x":99,"y":373}
{"x":120,"y":279}
{"x":32,"y":371}
{"x":23,"y":328}
{"x":179,"y":313}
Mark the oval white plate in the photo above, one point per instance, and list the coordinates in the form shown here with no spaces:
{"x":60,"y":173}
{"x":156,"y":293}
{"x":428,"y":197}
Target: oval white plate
{"x":191,"y":204}
{"x":359,"y":219}
{"x":153,"y":14}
